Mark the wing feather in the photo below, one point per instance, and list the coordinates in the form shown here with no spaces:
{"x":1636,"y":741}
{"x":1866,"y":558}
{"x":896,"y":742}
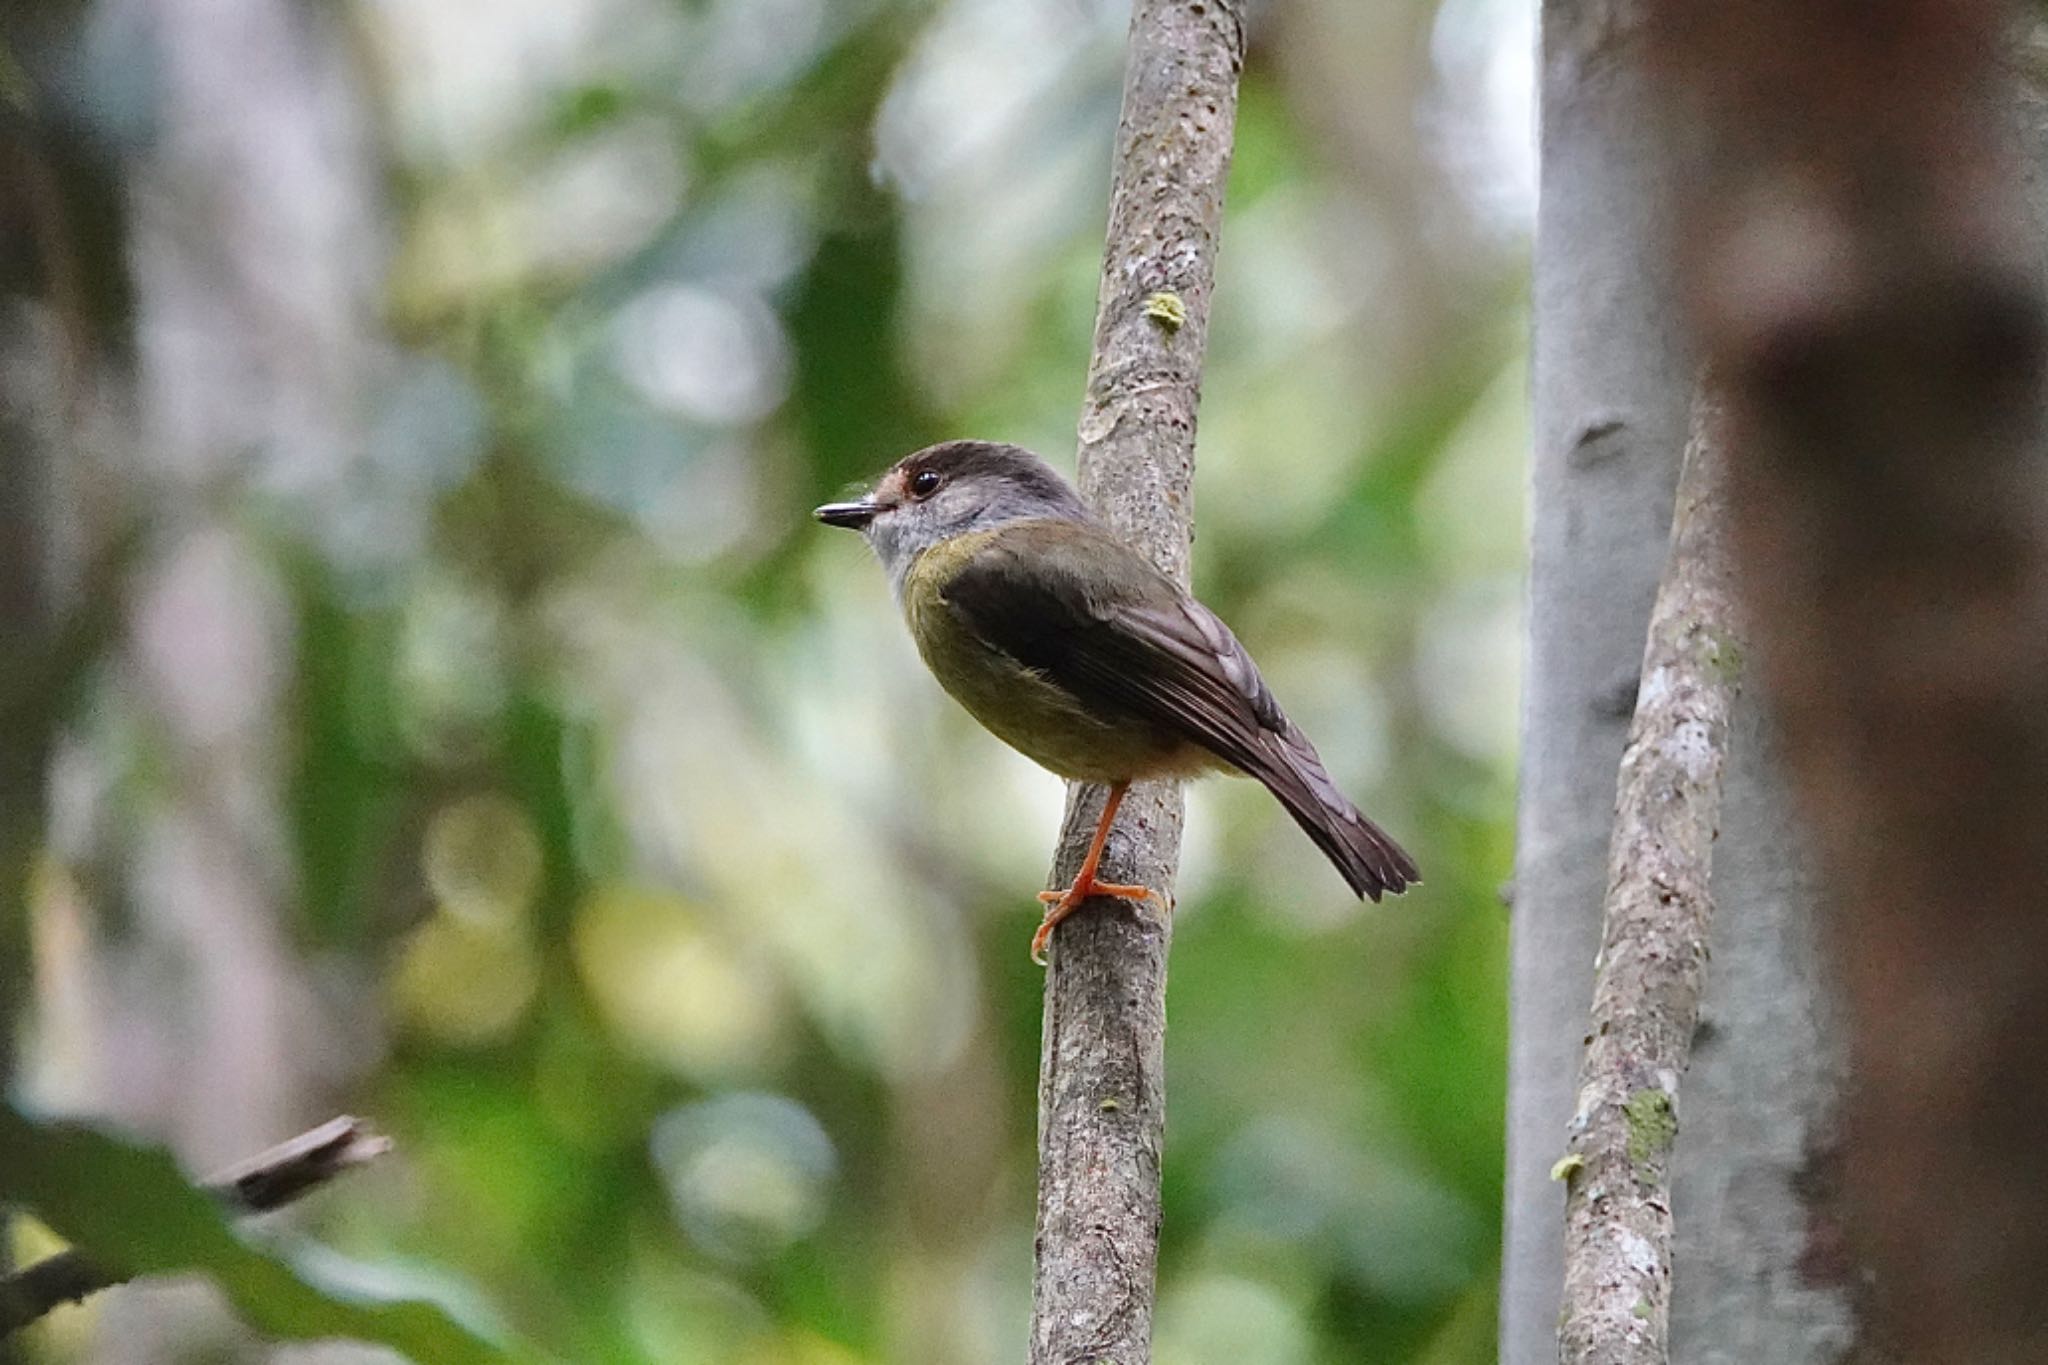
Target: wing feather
{"x":1095,"y":619}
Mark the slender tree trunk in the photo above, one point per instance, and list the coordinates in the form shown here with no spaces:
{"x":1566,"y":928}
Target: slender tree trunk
{"x":26,"y":722}
{"x":1101,"y":1078}
{"x":1655,"y":938}
{"x":1758,"y":1269}
{"x":1856,"y":260}
{"x":48,"y":336}
{"x":27,"y":718}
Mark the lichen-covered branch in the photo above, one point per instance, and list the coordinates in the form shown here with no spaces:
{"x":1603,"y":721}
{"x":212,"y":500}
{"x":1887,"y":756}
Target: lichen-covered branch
{"x":1653,"y":951}
{"x":1101,"y":1092}
{"x":268,"y":1181}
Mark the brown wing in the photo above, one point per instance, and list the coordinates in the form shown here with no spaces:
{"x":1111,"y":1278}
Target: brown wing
{"x":1095,"y":619}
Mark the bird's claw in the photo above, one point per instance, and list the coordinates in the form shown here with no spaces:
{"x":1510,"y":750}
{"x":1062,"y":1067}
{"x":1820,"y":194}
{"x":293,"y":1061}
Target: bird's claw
{"x":1066,"y":902}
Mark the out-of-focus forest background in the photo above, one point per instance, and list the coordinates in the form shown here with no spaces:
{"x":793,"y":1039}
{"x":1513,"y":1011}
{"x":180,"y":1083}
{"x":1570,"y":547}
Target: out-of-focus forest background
{"x":454,"y":717}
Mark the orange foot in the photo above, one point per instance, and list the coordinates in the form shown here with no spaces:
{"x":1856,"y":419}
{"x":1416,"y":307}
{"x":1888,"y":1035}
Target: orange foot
{"x":1066,"y":902}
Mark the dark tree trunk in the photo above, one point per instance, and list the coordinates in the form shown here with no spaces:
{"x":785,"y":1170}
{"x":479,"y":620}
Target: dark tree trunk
{"x":1856,"y":262}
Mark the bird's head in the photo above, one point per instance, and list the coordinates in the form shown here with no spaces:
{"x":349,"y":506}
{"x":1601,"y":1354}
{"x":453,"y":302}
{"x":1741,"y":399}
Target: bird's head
{"x":947,"y":490}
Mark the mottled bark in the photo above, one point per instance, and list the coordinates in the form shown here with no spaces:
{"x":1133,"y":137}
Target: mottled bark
{"x":287,"y":1172}
{"x":1653,"y":951}
{"x":1761,"y":1276}
{"x":1857,"y":267}
{"x":1101,"y":1082}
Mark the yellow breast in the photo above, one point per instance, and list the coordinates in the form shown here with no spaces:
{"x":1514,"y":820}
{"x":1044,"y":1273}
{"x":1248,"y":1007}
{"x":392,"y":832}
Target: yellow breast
{"x":1019,"y":706}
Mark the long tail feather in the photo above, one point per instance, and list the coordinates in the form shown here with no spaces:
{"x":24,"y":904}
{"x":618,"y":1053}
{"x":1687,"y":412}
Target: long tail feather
{"x":1360,"y":850}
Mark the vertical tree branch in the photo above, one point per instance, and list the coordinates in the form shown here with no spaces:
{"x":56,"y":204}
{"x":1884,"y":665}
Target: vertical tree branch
{"x":1653,"y":952}
{"x":1101,"y":1082}
{"x":1612,"y":380}
{"x":1856,"y":268}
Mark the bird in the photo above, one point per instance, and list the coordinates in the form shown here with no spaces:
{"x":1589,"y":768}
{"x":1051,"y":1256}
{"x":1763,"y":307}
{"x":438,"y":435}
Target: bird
{"x":1075,"y":650}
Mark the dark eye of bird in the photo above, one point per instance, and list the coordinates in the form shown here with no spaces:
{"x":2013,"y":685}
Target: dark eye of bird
{"x":924,"y":483}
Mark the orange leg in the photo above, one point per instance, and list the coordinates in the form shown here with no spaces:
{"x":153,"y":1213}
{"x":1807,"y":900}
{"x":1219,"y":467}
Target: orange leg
{"x":1066,"y":902}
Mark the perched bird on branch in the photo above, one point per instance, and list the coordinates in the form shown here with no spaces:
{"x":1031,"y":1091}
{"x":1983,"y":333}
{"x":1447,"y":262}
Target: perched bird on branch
{"x":1074,"y":650}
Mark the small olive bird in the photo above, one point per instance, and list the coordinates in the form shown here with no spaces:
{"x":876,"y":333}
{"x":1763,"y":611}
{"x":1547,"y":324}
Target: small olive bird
{"x":1075,"y":651}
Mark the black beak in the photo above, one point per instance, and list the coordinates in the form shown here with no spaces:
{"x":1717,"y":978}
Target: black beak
{"x":853,"y":515}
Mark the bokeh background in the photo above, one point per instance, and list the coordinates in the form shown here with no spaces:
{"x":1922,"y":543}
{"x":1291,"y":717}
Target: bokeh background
{"x":471,"y":730}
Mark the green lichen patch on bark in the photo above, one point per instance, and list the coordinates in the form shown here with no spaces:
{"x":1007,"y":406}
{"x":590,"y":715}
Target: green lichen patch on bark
{"x":1652,"y":1124}
{"x":1167,"y":309}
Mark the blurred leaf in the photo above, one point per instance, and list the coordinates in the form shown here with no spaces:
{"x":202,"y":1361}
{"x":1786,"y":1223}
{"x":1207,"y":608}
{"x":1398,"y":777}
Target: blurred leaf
{"x":1374,"y":522}
{"x":537,"y":737}
{"x":135,"y":1213}
{"x":1468,"y":1335}
{"x":516,"y":528}
{"x":857,"y":412}
{"x":1268,"y":152}
{"x":834,"y":101}
{"x":1444,"y":1057}
{"x":588,"y":107}
{"x":349,"y":795}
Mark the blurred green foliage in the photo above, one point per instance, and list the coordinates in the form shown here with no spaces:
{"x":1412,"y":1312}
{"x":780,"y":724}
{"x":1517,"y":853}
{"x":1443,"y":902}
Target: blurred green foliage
{"x":160,"y":1225}
{"x":693,"y":916}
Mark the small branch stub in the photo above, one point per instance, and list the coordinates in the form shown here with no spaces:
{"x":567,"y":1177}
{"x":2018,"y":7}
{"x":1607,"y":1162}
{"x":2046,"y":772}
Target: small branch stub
{"x":270,"y":1180}
{"x":299,"y":1165}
